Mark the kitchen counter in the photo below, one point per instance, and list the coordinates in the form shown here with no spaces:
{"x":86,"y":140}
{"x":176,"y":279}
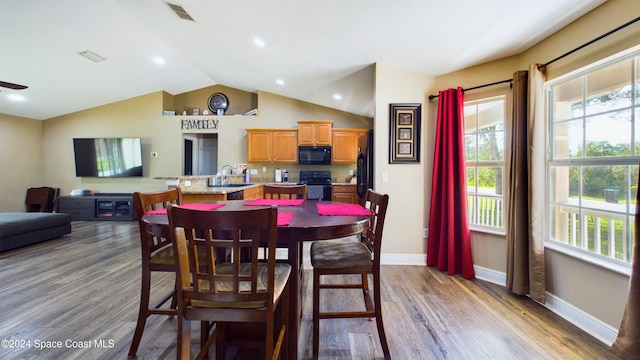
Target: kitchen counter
{"x":198,"y":185}
{"x":217,"y":189}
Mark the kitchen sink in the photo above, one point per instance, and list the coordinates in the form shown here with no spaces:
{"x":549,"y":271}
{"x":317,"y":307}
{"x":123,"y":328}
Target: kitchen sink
{"x":231,"y":185}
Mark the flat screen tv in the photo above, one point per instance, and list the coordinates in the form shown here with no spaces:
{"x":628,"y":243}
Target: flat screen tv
{"x":108,"y":157}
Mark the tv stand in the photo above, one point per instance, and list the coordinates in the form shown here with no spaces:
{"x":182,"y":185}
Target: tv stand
{"x":102,"y":206}
{"x":113,"y":194}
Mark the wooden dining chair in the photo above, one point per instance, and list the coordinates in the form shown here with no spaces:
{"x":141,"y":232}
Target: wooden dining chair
{"x":157,"y":255}
{"x":352,"y":257}
{"x":42,"y":199}
{"x":226,"y":288}
{"x":288,"y":192}
{"x":285,"y":191}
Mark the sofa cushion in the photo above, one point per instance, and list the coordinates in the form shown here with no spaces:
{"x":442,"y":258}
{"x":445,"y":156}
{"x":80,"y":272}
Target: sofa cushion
{"x":20,"y":223}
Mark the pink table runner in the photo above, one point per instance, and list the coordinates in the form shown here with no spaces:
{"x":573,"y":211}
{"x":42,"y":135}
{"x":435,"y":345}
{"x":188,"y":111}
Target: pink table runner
{"x":342,"y":209}
{"x":198,"y":206}
{"x":284,"y":218}
{"x":276,"y":202}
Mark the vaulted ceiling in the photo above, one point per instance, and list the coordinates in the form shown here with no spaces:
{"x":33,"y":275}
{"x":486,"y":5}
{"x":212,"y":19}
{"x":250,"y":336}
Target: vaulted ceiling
{"x":319,"y":51}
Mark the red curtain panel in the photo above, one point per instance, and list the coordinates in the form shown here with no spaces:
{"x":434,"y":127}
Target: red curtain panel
{"x":449,"y":247}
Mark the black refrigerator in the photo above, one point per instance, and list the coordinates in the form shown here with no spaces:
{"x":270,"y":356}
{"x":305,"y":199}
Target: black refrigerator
{"x":364,"y":169}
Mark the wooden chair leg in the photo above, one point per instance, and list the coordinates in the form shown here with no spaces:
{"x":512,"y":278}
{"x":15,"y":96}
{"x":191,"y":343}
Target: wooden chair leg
{"x":381,"y":335}
{"x":284,"y":314}
{"x":204,"y":336}
{"x":184,"y":339}
{"x":174,"y":299}
{"x":301,"y":264}
{"x":365,"y":292}
{"x":378,"y":312}
{"x":221,"y":340}
{"x":143,"y":311}
{"x":316,"y":314}
{"x":269,"y":350}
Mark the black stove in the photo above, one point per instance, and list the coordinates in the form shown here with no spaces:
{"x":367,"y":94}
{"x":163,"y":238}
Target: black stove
{"x":318,"y":184}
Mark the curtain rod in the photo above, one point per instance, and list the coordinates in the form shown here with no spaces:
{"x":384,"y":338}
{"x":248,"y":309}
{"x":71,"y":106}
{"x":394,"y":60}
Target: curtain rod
{"x":590,"y":42}
{"x":431,"y":97}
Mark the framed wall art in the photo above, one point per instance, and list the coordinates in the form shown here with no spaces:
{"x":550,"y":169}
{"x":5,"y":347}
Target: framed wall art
{"x":404,"y":130}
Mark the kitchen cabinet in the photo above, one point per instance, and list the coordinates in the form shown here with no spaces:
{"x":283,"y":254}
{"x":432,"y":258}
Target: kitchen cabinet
{"x":344,"y":193}
{"x":275,"y":146}
{"x":345,"y":145}
{"x":256,"y":192}
{"x":202,"y":198}
{"x":314,"y":133}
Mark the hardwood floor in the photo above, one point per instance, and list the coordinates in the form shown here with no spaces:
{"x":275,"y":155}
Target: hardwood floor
{"x":80,"y":293}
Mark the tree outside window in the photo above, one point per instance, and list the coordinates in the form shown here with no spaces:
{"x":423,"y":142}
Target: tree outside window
{"x":593,"y":160}
{"x":484,"y":146}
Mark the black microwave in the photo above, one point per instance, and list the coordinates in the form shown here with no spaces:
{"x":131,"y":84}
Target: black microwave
{"x":314,"y":155}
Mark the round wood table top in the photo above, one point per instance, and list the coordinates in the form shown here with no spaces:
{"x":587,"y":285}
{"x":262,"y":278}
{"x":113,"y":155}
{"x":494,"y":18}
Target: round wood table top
{"x":305,"y":225}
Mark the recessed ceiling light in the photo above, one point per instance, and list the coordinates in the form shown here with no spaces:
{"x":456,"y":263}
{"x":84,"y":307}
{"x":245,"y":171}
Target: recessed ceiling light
{"x":158,"y":60}
{"x":16,"y":97}
{"x":259,"y":42}
{"x":337,"y":96}
{"x":280,"y":82}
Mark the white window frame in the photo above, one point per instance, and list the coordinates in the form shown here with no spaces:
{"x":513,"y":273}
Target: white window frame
{"x":616,"y":265}
{"x":497,"y":230}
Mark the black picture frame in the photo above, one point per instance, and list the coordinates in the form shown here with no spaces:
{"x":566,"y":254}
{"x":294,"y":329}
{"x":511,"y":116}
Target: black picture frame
{"x":404,"y":133}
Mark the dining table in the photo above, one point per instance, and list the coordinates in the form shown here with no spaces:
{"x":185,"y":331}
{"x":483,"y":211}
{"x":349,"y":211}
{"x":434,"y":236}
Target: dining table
{"x":298,"y":221}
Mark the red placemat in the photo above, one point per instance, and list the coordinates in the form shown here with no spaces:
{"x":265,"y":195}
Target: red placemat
{"x":284,"y":218}
{"x":201,"y":206}
{"x":159,"y":211}
{"x":197,"y":206}
{"x":276,"y":202}
{"x":342,"y":209}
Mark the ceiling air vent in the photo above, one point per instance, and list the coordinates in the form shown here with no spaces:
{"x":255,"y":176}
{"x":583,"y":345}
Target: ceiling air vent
{"x":91,"y":56}
{"x":180,"y":11}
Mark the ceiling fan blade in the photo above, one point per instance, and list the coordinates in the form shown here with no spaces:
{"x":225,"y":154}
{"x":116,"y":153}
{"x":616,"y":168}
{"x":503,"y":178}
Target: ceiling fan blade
{"x":12,"y":85}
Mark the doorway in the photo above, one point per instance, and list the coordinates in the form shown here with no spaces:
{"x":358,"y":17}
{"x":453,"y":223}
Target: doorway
{"x":200,"y":154}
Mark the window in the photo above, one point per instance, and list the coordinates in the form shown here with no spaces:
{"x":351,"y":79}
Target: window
{"x":592,"y":169}
{"x":484,"y":140}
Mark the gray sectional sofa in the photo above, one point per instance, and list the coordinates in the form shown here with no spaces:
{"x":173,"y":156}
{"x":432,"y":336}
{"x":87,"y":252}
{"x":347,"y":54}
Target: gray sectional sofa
{"x":22,"y":229}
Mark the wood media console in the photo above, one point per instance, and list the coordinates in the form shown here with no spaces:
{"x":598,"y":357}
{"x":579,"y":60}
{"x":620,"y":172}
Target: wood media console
{"x":100,"y":206}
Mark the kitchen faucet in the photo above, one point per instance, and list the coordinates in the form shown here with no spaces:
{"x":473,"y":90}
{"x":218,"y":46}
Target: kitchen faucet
{"x":225,"y":180}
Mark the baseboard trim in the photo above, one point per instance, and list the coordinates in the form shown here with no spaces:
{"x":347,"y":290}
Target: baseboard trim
{"x":591,"y":325}
{"x":586,"y":322}
{"x":403,"y":259}
{"x":490,"y":275}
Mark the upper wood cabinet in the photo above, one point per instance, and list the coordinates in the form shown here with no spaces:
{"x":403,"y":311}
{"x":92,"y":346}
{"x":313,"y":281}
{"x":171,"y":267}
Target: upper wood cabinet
{"x":272,"y":146}
{"x":345,"y":145}
{"x":314,"y":132}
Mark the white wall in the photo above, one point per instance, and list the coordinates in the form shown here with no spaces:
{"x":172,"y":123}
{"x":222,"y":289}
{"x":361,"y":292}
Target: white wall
{"x":408,"y":183}
{"x":20,"y":161}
